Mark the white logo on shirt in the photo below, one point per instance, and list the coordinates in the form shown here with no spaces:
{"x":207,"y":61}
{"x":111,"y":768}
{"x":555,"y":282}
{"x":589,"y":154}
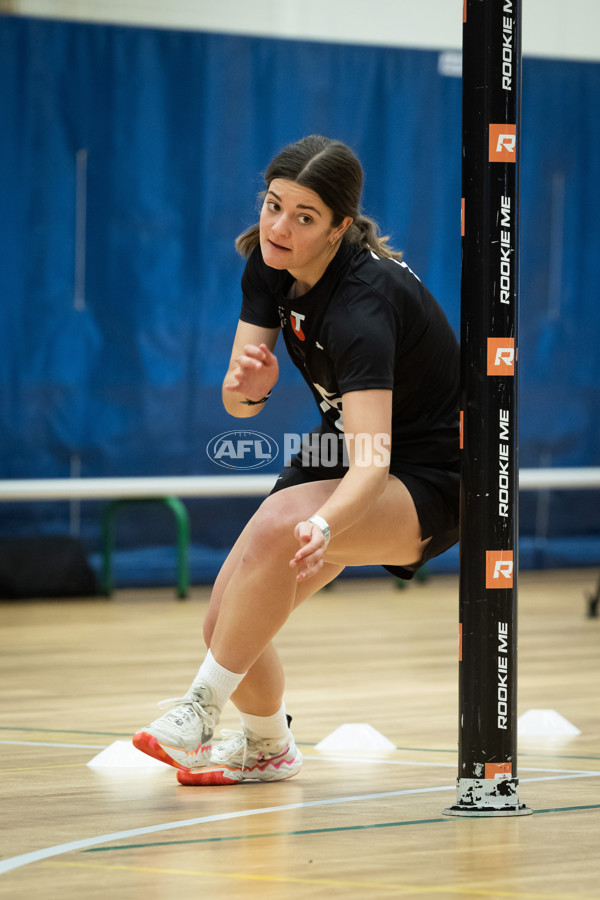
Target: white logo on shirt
{"x":398,"y":263}
{"x":329,"y":402}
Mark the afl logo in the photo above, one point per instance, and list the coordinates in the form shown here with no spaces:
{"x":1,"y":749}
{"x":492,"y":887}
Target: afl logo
{"x":242,"y":449}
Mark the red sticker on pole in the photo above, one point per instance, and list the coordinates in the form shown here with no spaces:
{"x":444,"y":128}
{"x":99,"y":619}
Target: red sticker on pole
{"x":503,"y":143}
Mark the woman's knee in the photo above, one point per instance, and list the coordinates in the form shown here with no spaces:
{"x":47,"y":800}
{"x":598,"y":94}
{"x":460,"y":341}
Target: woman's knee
{"x":272,"y":527}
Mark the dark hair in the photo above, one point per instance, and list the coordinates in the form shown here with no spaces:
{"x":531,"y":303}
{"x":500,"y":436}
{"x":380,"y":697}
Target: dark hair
{"x":331,"y":170}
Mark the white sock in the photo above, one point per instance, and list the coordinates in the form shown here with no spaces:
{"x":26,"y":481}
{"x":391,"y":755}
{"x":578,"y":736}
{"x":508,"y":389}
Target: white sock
{"x":274,"y":727}
{"x":221,"y":681}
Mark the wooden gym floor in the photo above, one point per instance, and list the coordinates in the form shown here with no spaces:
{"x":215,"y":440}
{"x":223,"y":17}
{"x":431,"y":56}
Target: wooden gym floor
{"x":81,"y":675}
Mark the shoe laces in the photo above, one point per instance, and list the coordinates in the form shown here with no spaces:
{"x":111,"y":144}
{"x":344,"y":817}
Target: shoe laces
{"x":236,"y":744}
{"x":232,"y":744}
{"x":193,"y":701}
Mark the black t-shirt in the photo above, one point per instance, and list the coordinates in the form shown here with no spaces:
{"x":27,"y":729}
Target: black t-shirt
{"x":368,"y":323}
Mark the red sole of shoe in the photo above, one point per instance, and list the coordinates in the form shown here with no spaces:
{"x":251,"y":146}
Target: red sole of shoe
{"x":205,"y":777}
{"x":148,"y":744}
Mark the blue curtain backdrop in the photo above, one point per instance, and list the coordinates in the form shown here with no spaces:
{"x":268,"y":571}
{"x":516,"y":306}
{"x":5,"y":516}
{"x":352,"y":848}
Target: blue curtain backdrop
{"x":172,"y":130}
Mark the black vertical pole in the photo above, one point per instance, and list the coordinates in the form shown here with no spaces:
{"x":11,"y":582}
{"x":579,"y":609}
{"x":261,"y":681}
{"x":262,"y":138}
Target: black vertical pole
{"x":487,"y":776}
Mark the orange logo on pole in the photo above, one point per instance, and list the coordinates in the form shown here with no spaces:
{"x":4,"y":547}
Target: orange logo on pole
{"x":503,"y":143}
{"x":499,"y":569}
{"x":498,"y":771}
{"x":501,"y":356}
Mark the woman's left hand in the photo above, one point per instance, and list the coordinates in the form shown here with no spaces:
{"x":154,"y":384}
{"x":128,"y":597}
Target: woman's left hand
{"x":309,"y":558}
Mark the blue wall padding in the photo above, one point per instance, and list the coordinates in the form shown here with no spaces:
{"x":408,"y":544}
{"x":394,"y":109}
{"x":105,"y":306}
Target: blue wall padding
{"x":176,"y":128}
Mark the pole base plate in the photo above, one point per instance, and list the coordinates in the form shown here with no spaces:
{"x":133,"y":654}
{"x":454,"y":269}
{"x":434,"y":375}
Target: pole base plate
{"x":521,"y":810}
{"x":487,"y":797}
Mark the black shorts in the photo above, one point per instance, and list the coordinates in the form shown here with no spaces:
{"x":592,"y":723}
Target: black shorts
{"x":435,"y":493}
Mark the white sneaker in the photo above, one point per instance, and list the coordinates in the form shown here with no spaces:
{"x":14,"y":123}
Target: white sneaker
{"x":240,"y":758}
{"x":182,"y":736}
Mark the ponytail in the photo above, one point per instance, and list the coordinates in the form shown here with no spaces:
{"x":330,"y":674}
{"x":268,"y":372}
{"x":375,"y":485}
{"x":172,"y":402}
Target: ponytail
{"x":248,"y":240}
{"x":365,"y":233}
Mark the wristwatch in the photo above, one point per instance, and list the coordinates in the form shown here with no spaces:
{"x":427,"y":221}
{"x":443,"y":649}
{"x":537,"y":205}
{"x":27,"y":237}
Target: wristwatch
{"x":320,"y":521}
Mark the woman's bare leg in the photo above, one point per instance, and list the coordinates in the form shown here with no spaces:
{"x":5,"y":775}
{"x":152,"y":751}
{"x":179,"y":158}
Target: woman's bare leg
{"x":261,"y":691}
{"x":259,"y":590}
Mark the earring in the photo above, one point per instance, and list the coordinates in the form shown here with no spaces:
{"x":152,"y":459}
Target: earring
{"x":334,"y":241}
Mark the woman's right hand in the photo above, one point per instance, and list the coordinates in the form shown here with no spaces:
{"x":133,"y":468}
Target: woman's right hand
{"x":309,"y":558}
{"x":255,"y":372}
